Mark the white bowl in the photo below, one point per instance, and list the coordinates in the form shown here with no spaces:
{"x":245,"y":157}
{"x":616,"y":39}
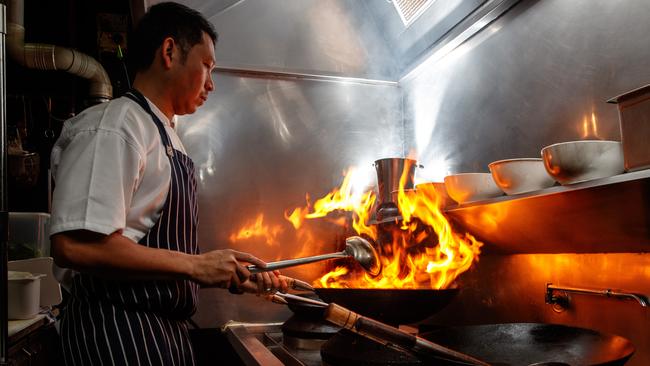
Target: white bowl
{"x":468,"y":187}
{"x":515,"y":176}
{"x":580,"y":161}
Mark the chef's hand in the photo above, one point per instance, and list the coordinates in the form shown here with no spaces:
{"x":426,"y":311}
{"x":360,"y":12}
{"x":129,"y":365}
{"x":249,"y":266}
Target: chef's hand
{"x":265,"y":283}
{"x":224,"y":268}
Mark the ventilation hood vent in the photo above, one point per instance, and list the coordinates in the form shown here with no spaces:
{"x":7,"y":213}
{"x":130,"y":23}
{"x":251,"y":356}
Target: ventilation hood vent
{"x":410,"y":10}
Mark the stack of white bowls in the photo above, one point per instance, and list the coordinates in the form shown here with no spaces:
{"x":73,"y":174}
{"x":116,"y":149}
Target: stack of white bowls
{"x":567,"y":163}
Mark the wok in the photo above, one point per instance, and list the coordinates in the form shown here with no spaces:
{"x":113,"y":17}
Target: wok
{"x":392,"y":306}
{"x":533,"y":343}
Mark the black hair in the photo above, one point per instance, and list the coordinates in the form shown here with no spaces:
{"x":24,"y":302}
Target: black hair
{"x":168,"y":19}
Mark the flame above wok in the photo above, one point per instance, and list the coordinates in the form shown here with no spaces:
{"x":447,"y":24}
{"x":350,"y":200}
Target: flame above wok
{"x":418,"y":250}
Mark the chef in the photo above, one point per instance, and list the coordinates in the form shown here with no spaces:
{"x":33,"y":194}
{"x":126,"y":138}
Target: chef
{"x":124,"y":211}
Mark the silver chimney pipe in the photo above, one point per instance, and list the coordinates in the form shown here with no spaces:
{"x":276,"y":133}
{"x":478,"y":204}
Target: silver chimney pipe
{"x":51,"y":57}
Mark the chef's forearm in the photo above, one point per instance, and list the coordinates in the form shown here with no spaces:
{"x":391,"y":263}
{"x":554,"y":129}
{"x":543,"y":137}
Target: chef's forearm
{"x":118,"y":257}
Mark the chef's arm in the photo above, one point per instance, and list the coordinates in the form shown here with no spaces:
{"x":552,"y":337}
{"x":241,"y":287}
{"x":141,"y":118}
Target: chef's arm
{"x":115,"y":256}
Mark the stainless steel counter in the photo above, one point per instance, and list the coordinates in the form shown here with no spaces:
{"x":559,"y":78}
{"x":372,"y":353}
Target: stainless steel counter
{"x":260,"y":344}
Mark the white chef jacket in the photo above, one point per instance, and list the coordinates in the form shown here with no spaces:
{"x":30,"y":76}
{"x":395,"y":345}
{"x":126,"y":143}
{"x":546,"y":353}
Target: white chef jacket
{"x":111,"y":170}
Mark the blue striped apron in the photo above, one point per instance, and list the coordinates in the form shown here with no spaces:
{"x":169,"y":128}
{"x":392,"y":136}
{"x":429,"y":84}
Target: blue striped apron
{"x":110,"y":322}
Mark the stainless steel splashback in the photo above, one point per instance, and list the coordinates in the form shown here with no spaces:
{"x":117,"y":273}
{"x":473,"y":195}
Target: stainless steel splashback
{"x":538,"y":75}
{"x":260,"y":145}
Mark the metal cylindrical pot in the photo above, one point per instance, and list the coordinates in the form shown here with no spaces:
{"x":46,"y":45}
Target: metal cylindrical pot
{"x":389,"y":172}
{"x":24,"y":290}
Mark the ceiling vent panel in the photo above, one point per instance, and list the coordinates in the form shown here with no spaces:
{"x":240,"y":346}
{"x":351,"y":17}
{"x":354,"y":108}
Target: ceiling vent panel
{"x":410,"y":10}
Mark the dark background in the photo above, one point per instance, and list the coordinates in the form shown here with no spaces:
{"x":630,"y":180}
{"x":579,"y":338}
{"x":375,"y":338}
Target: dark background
{"x":39,"y":101}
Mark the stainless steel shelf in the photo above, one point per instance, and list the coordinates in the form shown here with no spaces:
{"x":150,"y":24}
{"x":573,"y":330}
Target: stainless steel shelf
{"x":605,"y":215}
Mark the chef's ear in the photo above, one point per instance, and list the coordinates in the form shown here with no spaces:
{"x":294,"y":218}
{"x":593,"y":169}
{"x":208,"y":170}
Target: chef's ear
{"x":167,"y":49}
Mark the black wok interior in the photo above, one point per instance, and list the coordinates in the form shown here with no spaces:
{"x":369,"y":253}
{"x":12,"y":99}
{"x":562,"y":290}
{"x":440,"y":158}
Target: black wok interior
{"x":532,"y":343}
{"x":392,"y":306}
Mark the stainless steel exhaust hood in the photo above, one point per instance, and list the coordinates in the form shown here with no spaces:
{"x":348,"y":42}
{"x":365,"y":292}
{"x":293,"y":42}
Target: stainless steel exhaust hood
{"x":363,"y":39}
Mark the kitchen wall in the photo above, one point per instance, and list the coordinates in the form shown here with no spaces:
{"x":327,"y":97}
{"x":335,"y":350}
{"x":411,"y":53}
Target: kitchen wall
{"x":538,"y":75}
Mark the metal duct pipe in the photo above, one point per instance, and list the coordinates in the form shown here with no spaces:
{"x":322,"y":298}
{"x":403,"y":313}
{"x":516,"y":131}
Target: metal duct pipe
{"x":51,"y":57}
{"x":4,"y":214}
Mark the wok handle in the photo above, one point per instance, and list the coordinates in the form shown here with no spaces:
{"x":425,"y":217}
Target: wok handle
{"x":297,"y":284}
{"x":272,"y":266}
{"x":385,"y":333}
{"x":292,"y":283}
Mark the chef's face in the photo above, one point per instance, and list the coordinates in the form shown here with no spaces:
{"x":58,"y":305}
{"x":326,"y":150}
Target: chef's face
{"x":193,"y":79}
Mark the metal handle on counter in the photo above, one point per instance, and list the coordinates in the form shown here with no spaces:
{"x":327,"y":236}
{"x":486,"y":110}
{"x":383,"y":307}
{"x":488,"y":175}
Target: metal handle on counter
{"x":563,"y":300}
{"x":300,"y":299}
{"x":272,"y":266}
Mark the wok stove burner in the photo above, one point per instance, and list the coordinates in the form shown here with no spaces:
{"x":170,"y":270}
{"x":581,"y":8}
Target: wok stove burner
{"x":333,"y":346}
{"x":338,"y":347}
{"x":309,"y":343}
{"x":306,"y":334}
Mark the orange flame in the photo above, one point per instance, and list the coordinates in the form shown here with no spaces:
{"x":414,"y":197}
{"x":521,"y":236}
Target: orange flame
{"x":297,"y":217}
{"x":342,"y":199}
{"x":338,"y":272}
{"x":258,"y":229}
{"x":424,"y":250}
{"x":420,"y":251}
{"x":590,"y":127}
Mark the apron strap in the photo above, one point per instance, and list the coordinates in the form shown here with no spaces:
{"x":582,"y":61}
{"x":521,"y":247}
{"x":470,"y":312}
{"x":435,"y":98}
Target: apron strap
{"x":137,"y":97}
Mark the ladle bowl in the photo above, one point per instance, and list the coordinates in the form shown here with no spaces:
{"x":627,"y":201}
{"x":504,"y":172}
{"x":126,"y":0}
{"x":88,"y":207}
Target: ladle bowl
{"x":364,"y":253}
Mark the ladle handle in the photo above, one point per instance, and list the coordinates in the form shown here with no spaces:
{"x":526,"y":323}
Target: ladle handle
{"x":272,"y":266}
{"x":384,"y":333}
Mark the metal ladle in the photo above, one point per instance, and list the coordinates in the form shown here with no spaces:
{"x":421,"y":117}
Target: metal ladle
{"x":355,"y":246}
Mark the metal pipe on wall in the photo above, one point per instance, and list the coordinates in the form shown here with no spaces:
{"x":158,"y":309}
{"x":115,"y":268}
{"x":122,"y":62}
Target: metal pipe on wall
{"x":50,"y":57}
{"x":4,"y":215}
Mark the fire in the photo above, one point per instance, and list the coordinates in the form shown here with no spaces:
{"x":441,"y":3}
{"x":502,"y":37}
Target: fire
{"x":340,"y":199}
{"x":338,"y":272}
{"x":590,"y":127}
{"x":422,"y":251}
{"x":258,"y":229}
{"x":297,"y":217}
